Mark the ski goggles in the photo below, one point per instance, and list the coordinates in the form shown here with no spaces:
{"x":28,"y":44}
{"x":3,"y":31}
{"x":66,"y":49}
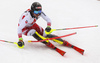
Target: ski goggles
{"x":37,"y":12}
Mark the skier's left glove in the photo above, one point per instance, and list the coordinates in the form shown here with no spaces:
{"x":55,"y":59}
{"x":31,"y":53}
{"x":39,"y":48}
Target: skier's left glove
{"x":48,"y":30}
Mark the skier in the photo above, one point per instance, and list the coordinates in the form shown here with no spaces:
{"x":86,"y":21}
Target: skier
{"x":27,"y":25}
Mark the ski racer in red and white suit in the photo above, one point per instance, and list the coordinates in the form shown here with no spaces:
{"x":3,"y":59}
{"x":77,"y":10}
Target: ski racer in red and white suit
{"x":27,"y":25}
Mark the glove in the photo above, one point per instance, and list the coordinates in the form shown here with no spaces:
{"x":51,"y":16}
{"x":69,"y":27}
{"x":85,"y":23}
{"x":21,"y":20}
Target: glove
{"x":20,"y":43}
{"x":48,"y":29}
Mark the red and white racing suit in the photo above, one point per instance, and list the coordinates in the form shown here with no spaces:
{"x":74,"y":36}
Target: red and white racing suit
{"x":27,"y":24}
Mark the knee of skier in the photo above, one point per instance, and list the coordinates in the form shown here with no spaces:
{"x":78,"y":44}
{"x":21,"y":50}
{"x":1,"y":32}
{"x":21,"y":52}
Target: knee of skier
{"x":31,"y":32}
{"x":44,"y":34}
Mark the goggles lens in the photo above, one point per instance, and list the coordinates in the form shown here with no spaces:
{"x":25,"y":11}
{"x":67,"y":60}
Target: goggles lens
{"x":37,"y":12}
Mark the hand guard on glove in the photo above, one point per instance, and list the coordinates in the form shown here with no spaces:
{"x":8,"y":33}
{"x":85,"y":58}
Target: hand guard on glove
{"x":48,"y":29}
{"x":20,"y":43}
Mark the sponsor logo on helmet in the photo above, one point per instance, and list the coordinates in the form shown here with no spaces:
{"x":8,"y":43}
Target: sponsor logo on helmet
{"x":38,"y":7}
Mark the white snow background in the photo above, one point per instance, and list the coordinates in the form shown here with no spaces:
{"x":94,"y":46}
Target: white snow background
{"x":64,"y":14}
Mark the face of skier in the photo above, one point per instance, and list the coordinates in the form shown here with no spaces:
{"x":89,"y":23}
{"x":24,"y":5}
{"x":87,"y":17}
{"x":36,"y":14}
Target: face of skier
{"x":36,"y":13}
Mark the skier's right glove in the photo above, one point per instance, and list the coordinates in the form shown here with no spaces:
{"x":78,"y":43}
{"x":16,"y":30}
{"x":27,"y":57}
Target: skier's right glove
{"x":20,"y":43}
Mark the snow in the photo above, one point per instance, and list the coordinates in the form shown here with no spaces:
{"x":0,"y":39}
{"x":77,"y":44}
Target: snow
{"x":64,"y":14}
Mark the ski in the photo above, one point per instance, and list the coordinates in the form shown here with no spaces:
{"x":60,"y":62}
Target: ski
{"x":79,"y":50}
{"x":54,"y":37}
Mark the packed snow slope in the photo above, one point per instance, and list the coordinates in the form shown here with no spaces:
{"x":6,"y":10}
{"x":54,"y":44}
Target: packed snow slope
{"x":64,"y":14}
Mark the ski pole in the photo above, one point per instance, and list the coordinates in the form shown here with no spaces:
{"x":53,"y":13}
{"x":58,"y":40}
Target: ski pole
{"x":8,"y":41}
{"x":54,"y":37}
{"x":70,"y":29}
{"x":75,"y":28}
{"x":12,"y":43}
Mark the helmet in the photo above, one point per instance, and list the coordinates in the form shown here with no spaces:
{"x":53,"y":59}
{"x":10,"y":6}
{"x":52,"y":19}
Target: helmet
{"x":36,"y":6}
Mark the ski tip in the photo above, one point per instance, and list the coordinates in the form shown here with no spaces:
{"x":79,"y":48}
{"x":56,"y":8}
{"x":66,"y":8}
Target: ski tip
{"x":83,"y":52}
{"x":60,"y":52}
{"x":63,"y":53}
